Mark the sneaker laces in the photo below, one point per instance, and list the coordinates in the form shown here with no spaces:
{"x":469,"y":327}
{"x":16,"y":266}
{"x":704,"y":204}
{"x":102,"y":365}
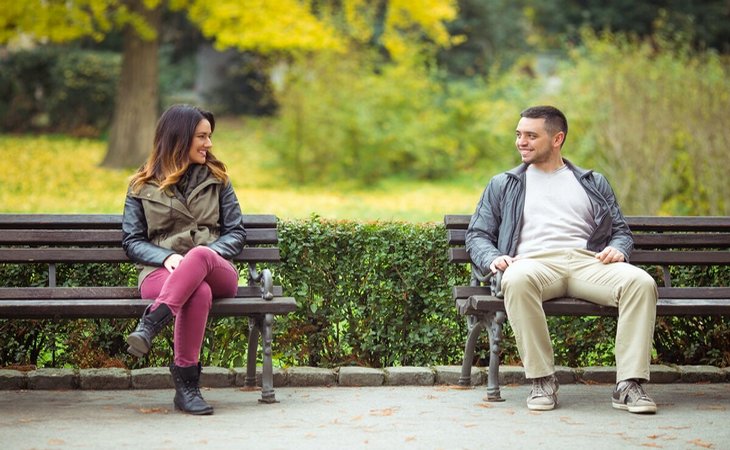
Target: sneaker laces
{"x":634,"y":391}
{"x":543,"y":387}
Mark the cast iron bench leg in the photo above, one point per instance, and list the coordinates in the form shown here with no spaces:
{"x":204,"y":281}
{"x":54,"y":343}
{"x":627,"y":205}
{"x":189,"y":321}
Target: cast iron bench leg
{"x":267,"y":376}
{"x":254,"y":327}
{"x":475,"y":326}
{"x":495,"y":339}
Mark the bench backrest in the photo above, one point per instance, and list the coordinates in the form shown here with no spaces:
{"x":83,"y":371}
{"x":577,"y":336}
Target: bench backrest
{"x":83,"y":238}
{"x":662,"y":241}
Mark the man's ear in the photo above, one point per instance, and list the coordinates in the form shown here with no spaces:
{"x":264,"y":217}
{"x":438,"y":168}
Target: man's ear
{"x":559,"y":138}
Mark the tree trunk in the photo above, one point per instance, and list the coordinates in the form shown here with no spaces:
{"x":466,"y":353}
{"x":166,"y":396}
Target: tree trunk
{"x":136,"y":108}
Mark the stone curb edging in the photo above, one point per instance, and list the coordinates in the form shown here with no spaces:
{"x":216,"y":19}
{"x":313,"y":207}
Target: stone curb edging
{"x":213,"y":377}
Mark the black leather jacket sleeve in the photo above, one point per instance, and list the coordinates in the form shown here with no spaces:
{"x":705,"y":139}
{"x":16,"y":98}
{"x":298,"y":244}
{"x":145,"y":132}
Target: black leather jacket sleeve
{"x":232,"y":233}
{"x":135,"y":241}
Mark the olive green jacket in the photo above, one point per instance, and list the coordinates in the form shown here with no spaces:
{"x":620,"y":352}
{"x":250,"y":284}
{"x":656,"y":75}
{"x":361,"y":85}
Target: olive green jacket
{"x":157,"y":224}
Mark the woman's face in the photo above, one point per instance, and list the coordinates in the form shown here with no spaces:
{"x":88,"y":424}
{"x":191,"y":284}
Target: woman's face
{"x":201,"y":143}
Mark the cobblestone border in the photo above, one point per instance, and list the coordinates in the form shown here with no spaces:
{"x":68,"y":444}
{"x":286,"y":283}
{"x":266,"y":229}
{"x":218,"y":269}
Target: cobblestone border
{"x":159,"y":377}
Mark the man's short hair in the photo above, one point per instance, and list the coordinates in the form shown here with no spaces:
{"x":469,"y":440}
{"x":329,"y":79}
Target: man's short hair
{"x":555,"y":120}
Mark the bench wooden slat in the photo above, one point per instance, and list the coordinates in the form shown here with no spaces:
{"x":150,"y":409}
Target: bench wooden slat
{"x":86,"y":255}
{"x":679,"y":257}
{"x":104,"y":292}
{"x":133,"y":308}
{"x":254,"y":236}
{"x":704,"y":293}
{"x":644,"y":240}
{"x":648,"y":257}
{"x":101,"y":221}
{"x":679,"y":223}
{"x":576,"y":307}
{"x":636,"y":223}
{"x":681,"y":240}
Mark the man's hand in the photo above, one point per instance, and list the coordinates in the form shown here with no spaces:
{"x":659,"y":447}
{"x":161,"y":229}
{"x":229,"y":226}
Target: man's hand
{"x":501,"y":263}
{"x":172,"y":261}
{"x":610,"y":255}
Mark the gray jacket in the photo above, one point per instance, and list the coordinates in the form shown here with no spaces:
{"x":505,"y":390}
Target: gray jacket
{"x":495,"y":225}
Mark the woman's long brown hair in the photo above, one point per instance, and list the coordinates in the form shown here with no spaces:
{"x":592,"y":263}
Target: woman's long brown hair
{"x":170,"y":156}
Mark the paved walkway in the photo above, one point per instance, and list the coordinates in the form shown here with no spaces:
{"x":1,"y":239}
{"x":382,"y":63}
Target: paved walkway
{"x":691,"y":416}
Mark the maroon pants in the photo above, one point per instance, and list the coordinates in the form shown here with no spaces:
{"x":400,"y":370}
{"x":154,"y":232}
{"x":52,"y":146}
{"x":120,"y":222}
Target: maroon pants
{"x":189,"y":291}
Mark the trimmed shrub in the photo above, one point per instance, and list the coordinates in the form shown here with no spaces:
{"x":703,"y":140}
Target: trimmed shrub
{"x":81,"y":101}
{"x":61,"y":90}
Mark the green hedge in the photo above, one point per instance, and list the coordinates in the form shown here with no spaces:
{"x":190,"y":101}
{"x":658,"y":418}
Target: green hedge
{"x":58,"y":89}
{"x":369,"y":294}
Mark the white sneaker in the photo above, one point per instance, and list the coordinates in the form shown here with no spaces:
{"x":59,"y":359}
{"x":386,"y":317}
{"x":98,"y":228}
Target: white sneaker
{"x":544,"y":394}
{"x":630,"y":396}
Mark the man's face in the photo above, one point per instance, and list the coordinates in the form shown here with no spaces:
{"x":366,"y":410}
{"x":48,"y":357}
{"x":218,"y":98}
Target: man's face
{"x":535,"y":144}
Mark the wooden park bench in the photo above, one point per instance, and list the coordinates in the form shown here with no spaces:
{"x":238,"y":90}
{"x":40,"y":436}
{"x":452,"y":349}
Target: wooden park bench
{"x":56,"y":239}
{"x":662,"y":242}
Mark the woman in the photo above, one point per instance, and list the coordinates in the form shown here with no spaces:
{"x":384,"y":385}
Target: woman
{"x":182,"y":225}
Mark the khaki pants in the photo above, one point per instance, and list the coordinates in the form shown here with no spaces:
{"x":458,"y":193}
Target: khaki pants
{"x":577,"y":273}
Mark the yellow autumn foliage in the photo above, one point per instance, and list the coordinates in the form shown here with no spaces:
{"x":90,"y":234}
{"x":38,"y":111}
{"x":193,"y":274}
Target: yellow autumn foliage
{"x":261,"y":25}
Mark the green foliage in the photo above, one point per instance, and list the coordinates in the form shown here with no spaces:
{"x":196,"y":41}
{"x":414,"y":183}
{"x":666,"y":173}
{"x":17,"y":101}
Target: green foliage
{"x":652,"y":107}
{"x":23,"y":76}
{"x":55,"y":89}
{"x":84,"y":88}
{"x":371,"y":294}
{"x":348,"y":118}
{"x":558,"y":20}
{"x":695,"y":340}
{"x":245,"y":87}
{"x":488,"y":29}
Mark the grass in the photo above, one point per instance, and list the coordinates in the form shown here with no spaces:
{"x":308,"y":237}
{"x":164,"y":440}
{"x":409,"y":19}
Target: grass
{"x":61,"y":174}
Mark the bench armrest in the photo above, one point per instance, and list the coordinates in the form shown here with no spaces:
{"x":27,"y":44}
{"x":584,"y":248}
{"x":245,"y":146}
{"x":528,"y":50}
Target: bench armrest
{"x":494,"y":280}
{"x":264,"y":278}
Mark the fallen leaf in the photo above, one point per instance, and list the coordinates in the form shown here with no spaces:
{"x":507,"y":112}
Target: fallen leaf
{"x":651,"y":444}
{"x":410,"y":438}
{"x":484,"y":405}
{"x":569,"y":421}
{"x":382,"y":412}
{"x":701,"y":443}
{"x":712,"y":407}
{"x":153,"y":410}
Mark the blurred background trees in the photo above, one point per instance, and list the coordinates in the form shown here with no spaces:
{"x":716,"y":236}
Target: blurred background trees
{"x":361,"y":91}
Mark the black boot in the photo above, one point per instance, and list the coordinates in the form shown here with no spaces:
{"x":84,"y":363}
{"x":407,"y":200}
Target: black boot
{"x":187,"y":390}
{"x":151,"y":323}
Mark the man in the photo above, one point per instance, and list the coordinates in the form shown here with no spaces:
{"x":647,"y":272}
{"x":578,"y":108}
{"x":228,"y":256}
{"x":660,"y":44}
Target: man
{"x":555,"y":230}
